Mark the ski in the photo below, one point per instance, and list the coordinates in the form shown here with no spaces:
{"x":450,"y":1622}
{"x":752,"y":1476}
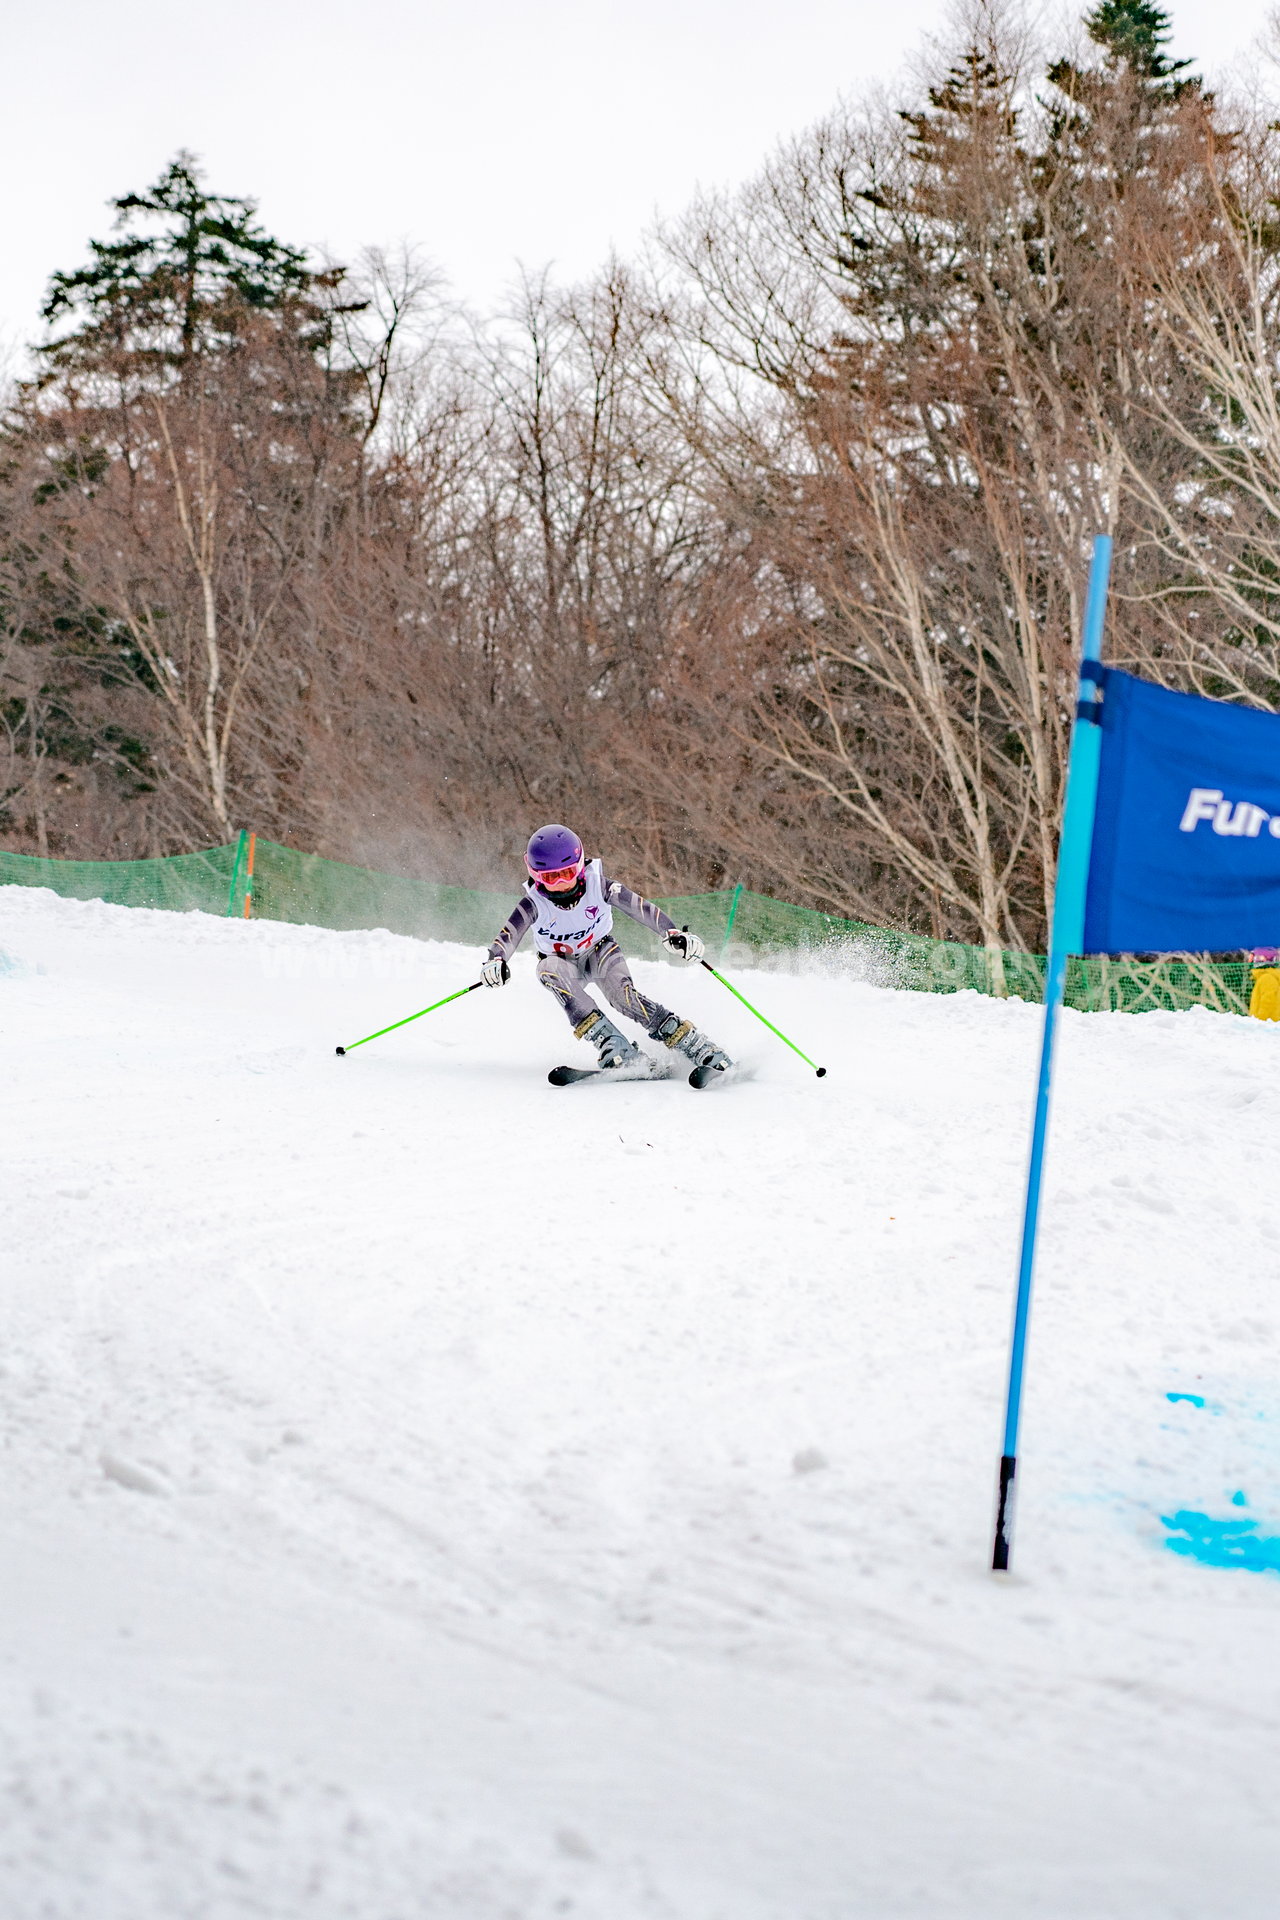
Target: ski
{"x":707,"y":1076}
{"x":570,"y":1076}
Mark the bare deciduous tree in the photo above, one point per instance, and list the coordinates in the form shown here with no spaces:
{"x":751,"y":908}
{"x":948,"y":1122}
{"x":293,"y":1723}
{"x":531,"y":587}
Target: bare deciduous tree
{"x":765,"y":563}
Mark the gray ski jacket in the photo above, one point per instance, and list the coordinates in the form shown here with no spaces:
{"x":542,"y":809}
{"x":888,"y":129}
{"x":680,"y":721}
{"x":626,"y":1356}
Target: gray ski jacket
{"x":525,"y":912}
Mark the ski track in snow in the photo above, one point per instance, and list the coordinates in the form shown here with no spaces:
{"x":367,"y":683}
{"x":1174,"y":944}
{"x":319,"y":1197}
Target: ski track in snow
{"x":431,"y":1495}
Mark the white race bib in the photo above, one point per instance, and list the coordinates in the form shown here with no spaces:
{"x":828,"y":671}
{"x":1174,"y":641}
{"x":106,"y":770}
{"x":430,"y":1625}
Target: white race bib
{"x":576,"y":929}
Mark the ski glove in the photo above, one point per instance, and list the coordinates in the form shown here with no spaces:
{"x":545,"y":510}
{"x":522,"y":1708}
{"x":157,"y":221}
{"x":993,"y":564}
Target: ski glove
{"x":495,"y":972}
{"x":686,"y":946}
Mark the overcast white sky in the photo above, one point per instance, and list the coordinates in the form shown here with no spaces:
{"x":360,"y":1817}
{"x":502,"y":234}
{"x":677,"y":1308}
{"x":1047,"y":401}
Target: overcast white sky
{"x":488,"y":131}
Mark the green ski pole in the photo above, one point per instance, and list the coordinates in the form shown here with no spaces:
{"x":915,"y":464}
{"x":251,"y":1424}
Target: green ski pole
{"x":412,"y":1016}
{"x":820,"y":1071}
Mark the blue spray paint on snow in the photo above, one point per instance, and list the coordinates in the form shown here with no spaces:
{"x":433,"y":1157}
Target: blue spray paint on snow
{"x":1222,"y":1543}
{"x":1246,"y":1446}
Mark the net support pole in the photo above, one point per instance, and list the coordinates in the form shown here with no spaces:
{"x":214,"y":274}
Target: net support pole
{"x":235,"y":872}
{"x":248,"y":880}
{"x":1066,"y":937}
{"x":728,"y":925}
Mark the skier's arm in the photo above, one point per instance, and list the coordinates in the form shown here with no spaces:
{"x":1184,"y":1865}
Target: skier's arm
{"x":518,"y":923}
{"x":685,"y":946}
{"x":636,"y":908}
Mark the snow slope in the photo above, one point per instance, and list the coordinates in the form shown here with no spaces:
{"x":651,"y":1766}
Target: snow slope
{"x":433,"y":1496}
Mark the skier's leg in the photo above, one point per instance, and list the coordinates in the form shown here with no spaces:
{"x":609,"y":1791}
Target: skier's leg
{"x":564,"y":977}
{"x":607,"y":968}
{"x":700,"y":1047}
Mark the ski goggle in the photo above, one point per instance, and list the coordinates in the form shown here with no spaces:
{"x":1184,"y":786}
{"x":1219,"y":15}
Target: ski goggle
{"x":560,"y":879}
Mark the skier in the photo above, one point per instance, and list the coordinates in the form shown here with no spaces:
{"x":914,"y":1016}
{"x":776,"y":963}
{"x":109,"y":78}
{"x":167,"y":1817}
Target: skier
{"x":568,"y":902}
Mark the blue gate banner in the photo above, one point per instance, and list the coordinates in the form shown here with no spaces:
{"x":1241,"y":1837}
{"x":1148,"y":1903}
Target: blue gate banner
{"x":1186,"y":836}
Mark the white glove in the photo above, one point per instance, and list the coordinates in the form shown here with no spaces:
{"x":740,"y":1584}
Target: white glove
{"x":495,"y":972}
{"x":686,"y":946}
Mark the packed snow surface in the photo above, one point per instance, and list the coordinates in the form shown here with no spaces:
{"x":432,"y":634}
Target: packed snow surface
{"x":430,"y":1495}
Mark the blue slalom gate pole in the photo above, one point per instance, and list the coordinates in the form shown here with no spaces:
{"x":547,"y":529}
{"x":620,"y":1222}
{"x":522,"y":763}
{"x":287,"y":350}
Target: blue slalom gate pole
{"x":1066,"y":937}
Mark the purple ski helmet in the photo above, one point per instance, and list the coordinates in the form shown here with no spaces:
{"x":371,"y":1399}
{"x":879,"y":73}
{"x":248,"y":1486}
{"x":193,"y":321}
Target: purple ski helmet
{"x":555,"y":858}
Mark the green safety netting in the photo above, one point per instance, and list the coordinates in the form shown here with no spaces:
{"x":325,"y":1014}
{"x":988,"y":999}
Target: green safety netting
{"x":745,"y":928}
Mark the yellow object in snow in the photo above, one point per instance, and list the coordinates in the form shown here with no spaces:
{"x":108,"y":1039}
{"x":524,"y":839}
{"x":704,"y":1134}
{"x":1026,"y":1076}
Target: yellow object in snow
{"x":1264,"y":1001}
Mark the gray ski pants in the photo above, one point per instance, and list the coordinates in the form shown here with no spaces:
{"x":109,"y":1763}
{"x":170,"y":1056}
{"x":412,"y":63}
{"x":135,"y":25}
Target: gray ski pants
{"x":605,"y":966}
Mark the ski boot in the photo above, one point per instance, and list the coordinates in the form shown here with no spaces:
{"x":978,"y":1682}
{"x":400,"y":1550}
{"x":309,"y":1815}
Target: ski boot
{"x":684,"y":1036}
{"x":614,"y":1048}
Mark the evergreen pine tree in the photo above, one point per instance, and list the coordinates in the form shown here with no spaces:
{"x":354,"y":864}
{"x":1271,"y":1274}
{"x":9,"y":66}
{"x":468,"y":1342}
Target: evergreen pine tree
{"x":1135,"y":31}
{"x":1132,"y":35}
{"x":170,"y":285}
